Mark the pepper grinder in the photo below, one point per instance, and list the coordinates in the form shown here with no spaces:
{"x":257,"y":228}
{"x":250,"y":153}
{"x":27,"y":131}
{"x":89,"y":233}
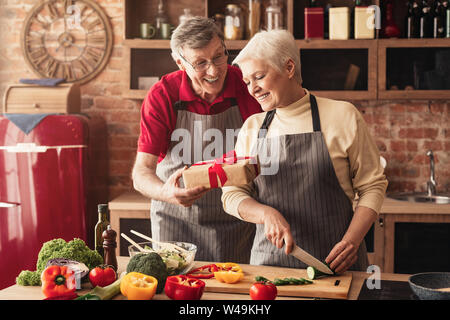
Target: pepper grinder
{"x":109,"y":247}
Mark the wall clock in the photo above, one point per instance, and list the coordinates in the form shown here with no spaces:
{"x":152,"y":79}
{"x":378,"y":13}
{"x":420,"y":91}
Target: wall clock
{"x":70,"y":39}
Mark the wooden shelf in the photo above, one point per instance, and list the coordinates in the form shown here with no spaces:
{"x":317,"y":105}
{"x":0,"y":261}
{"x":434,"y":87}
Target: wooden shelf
{"x":373,"y":69}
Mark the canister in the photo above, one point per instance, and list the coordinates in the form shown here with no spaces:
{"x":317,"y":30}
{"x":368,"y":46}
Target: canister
{"x":234,"y":26}
{"x":339,"y":23}
{"x":364,"y":22}
{"x":313,"y":23}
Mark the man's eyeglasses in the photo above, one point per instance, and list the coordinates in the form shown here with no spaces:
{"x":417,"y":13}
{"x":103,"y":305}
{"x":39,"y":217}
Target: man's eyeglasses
{"x":204,"y":65}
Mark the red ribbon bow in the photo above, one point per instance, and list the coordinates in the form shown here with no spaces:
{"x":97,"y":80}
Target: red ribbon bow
{"x":216,"y":169}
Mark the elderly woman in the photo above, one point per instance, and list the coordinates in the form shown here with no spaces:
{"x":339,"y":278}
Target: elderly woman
{"x":205,"y":95}
{"x":320,"y":154}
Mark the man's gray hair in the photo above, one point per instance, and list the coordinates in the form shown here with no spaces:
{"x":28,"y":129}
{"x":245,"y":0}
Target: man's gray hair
{"x":194,"y":33}
{"x":275,"y":47}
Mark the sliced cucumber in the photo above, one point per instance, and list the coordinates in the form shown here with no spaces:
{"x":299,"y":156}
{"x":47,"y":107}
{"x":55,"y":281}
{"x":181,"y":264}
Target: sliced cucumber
{"x":313,"y":273}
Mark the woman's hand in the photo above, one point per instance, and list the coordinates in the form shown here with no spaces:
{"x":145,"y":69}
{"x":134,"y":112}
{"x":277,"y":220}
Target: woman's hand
{"x":342,"y":256}
{"x":345,"y":253}
{"x":184,"y":197}
{"x":277,"y":229}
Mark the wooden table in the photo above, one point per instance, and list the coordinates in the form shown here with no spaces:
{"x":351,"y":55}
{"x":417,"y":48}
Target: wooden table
{"x":16,"y":292}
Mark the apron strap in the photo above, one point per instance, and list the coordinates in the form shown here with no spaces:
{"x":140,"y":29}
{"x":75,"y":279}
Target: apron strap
{"x":265,"y":126}
{"x":314,"y":113}
{"x":180,"y":105}
{"x":270,"y":114}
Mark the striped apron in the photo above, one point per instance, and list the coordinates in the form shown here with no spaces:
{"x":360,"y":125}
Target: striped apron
{"x":308,"y":194}
{"x":219,"y":236}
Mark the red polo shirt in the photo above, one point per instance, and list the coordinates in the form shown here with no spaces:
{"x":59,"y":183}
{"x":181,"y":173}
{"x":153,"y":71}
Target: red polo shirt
{"x":158,"y":116}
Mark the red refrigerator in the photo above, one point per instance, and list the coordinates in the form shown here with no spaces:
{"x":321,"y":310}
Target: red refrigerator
{"x":51,"y":181}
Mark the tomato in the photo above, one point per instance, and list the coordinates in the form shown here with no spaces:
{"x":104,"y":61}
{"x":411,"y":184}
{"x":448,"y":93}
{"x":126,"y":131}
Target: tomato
{"x":102,"y":276}
{"x":263,"y":291}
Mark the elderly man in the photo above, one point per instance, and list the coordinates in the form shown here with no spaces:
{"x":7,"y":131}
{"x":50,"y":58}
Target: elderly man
{"x":180,"y":116}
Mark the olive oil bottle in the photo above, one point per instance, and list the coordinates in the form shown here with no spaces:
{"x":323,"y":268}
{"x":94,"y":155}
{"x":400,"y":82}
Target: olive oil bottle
{"x":102,"y":225}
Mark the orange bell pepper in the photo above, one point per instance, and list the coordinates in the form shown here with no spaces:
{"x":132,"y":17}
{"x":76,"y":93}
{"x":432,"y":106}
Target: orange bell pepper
{"x":138,"y":286}
{"x":228,"y":266}
{"x":58,"y":281}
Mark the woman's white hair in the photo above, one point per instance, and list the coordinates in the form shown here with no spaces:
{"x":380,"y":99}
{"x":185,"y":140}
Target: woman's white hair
{"x":275,"y":47}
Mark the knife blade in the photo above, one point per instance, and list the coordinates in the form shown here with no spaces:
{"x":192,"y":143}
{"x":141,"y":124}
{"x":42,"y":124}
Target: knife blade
{"x":310,"y":260}
{"x":8,"y":204}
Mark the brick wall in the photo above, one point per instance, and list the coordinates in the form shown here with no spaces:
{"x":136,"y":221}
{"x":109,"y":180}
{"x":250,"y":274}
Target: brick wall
{"x":403,"y":130}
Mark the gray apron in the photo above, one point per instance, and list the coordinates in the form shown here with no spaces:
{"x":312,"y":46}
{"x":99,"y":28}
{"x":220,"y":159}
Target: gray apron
{"x":219,"y":236}
{"x":308,"y":194}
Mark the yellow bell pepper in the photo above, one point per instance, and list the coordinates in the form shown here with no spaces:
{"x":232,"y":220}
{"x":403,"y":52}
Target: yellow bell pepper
{"x":229,"y":266}
{"x":138,"y":286}
{"x":228,"y":272}
{"x":229,"y":276}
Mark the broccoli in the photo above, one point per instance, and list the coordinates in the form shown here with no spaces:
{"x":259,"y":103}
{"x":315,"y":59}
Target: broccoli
{"x":150,"y":264}
{"x":28,"y":278}
{"x":75,"y":249}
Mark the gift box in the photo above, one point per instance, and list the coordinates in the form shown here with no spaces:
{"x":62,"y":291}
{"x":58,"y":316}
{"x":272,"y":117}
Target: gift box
{"x":228,"y":170}
{"x":313,"y":23}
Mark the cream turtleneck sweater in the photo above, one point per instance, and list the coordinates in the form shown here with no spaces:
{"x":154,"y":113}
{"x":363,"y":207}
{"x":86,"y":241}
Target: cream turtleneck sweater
{"x":353,"y":152}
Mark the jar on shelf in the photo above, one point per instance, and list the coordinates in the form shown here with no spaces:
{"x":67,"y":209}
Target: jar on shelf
{"x":274,"y":16}
{"x":185,"y":16}
{"x":254,"y":17}
{"x":234,"y":23}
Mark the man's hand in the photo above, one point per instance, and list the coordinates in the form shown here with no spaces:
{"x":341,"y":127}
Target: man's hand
{"x":149,"y":184}
{"x":172,"y":192}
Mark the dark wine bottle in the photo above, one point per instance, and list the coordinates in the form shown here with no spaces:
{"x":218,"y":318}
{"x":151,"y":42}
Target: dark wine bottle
{"x":438,"y":20}
{"x":426,"y":21}
{"x":409,"y":20}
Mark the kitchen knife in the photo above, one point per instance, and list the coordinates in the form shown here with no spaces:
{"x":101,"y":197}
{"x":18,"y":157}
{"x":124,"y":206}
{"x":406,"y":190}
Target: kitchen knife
{"x":309,"y":260}
{"x":8,"y":204}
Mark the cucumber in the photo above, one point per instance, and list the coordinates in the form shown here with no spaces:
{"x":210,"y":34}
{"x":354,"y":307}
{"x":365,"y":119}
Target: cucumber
{"x":313,"y":273}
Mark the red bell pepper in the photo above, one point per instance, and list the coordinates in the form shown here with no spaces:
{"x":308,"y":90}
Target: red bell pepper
{"x":181,"y":287}
{"x":203,"y":272}
{"x":58,"y":281}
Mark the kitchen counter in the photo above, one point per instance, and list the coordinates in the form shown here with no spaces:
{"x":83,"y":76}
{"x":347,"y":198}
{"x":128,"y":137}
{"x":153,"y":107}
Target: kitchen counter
{"x":16,"y":292}
{"x":392,"y":206}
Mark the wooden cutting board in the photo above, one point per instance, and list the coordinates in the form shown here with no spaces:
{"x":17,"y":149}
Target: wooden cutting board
{"x":321,"y":288}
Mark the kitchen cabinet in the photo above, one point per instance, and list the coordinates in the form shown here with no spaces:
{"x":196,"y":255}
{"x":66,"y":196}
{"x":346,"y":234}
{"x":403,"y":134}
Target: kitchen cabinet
{"x":129,"y":211}
{"x":412,"y":237}
{"x":327,"y":65}
{"x":418,"y":64}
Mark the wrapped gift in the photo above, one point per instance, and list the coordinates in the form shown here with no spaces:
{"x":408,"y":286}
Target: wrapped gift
{"x":228,"y":170}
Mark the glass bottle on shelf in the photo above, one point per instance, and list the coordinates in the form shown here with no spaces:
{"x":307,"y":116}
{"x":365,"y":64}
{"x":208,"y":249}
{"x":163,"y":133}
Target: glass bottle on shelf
{"x":390,"y":28}
{"x":426,"y":21}
{"x":274,"y":15}
{"x":445,"y":7}
{"x":254,"y":17}
{"x":234,"y":26}
{"x":161,"y":17}
{"x":102,"y":225}
{"x":411,"y":22}
{"x":185,"y":16}
{"x":438,"y":20}
{"x":447,"y":24}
